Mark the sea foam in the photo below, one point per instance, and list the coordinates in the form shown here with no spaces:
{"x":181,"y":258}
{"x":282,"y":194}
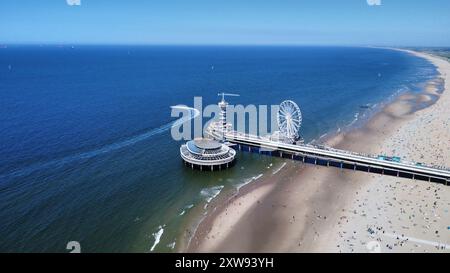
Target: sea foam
{"x":185,"y":209}
{"x":157,"y":235}
{"x":249,"y":180}
{"x":279,"y":169}
{"x":211,"y":193}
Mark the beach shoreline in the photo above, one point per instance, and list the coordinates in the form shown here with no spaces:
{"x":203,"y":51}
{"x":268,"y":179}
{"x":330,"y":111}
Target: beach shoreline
{"x":305,"y":208}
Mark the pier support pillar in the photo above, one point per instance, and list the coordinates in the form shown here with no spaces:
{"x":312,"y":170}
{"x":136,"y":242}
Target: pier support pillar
{"x":315,"y":161}
{"x":398,"y":174}
{"x":303,"y":159}
{"x":201,"y":168}
{"x":292,"y":156}
{"x":354,"y":167}
{"x":341,"y":165}
{"x":212,"y":167}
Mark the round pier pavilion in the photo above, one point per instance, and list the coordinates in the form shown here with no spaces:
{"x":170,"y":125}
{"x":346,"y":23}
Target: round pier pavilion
{"x":207,"y":154}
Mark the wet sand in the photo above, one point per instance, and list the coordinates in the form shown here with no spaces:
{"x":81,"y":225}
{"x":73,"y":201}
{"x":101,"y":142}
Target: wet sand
{"x":306,"y":208}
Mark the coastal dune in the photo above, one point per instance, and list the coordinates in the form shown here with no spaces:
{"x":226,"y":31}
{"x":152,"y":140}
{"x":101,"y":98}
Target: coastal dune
{"x":306,"y":208}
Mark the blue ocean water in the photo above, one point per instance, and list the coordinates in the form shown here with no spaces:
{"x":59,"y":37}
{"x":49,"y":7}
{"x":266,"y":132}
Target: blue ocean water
{"x":85,"y":148}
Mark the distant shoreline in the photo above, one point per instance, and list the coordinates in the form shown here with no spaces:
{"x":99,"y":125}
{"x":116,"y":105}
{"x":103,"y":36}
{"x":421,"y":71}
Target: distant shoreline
{"x":293,"y":210}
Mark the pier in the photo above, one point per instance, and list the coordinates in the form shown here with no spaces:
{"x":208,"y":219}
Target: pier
{"x":286,"y":143}
{"x":325,"y":156}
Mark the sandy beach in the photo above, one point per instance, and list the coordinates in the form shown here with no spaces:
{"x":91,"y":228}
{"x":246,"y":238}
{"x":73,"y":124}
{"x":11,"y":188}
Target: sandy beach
{"x":304,"y":208}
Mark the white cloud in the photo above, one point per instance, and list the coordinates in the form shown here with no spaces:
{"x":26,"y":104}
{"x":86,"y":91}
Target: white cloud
{"x":374,"y":2}
{"x":73,"y":2}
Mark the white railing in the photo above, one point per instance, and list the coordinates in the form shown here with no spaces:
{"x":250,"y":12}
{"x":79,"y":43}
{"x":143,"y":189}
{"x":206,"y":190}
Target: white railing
{"x":206,"y":161}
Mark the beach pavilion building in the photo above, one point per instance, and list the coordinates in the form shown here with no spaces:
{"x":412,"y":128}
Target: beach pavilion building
{"x":207,"y":154}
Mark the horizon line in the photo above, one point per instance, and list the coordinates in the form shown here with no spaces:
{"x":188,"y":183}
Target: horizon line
{"x":218,"y":45}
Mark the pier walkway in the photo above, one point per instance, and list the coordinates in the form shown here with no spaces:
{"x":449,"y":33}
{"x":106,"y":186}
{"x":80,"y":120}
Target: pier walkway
{"x":326,"y":156}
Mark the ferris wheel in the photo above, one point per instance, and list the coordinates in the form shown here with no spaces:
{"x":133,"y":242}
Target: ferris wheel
{"x":289,"y":119}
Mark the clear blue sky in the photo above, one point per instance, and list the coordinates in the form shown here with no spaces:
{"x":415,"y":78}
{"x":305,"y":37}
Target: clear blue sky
{"x":319,"y":22}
